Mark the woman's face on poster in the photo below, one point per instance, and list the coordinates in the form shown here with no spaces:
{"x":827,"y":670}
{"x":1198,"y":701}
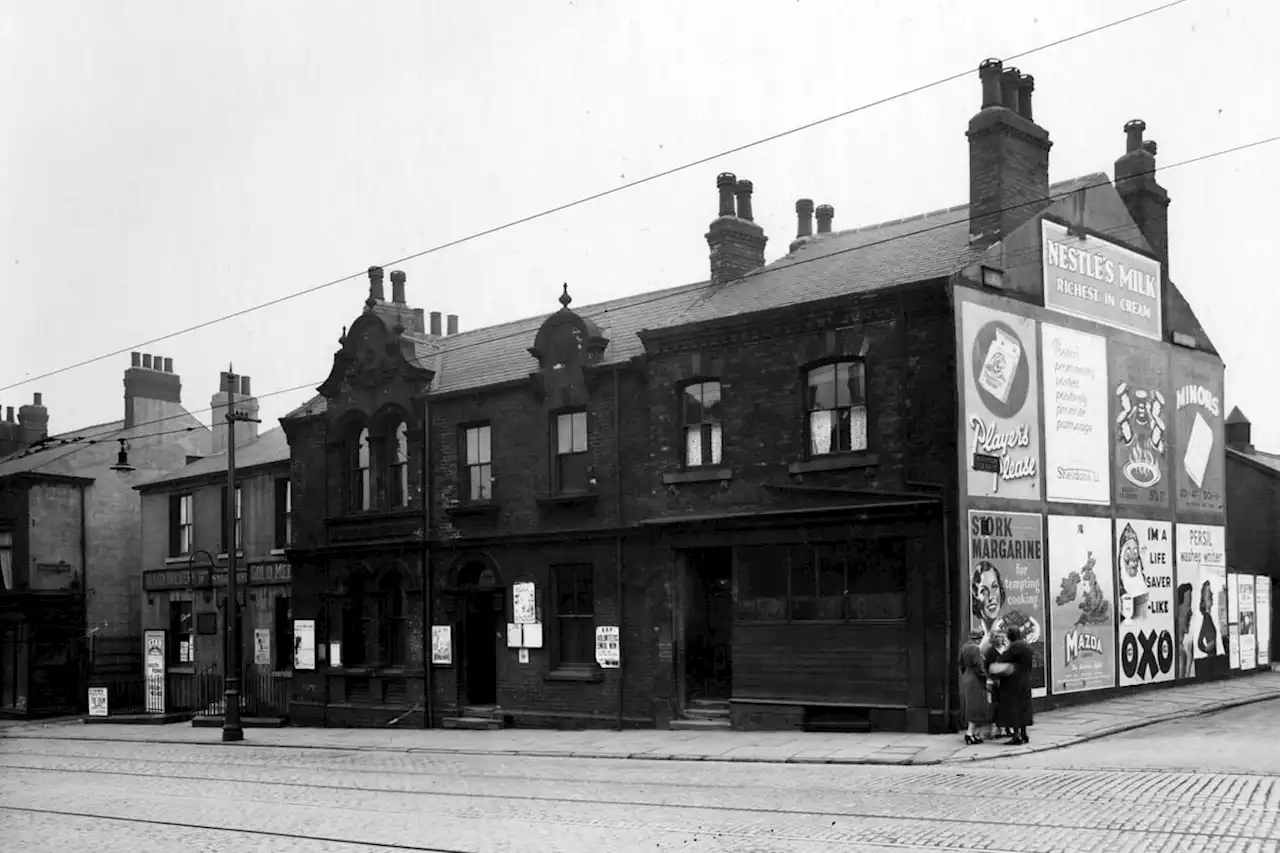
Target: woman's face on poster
{"x":1206,"y":599}
{"x":988,"y":593}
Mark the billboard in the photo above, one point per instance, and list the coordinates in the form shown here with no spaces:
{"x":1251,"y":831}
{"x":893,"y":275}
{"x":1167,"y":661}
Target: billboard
{"x":1233,"y":619}
{"x":1201,"y":598}
{"x":1006,"y":580}
{"x":1262,"y":612}
{"x":1144,"y":595}
{"x":1081,"y":612}
{"x":1248,"y":623}
{"x":1201,"y":458}
{"x":1141,"y":397}
{"x":1001,"y":402}
{"x":1077,"y":442}
{"x":1091,"y":278}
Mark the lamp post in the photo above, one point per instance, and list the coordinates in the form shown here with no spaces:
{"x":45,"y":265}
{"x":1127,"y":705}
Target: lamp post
{"x":231,"y":729}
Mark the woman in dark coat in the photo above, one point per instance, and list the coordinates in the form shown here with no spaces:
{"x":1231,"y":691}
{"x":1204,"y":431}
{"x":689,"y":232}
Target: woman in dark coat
{"x":1014,"y":670}
{"x":992,"y":645}
{"x":974,"y":709}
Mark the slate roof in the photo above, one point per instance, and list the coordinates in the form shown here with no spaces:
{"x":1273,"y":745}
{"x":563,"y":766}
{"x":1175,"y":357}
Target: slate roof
{"x":57,"y":457}
{"x":1270,"y":461}
{"x":271,"y":446}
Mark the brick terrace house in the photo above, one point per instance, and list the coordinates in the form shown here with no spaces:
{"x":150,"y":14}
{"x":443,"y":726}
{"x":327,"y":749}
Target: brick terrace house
{"x":733,"y":500}
{"x":69,"y":542}
{"x":186,"y":533}
{"x":1253,"y":507}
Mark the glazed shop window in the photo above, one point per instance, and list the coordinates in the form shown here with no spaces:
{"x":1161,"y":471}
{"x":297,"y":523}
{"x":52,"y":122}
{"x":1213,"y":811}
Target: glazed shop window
{"x":181,"y":631}
{"x":571,"y":452}
{"x":180,"y":525}
{"x":855,"y":580}
{"x":477,"y":464}
{"x":836,"y":404}
{"x":762,"y":582}
{"x":703,"y":431}
{"x":575,"y":614}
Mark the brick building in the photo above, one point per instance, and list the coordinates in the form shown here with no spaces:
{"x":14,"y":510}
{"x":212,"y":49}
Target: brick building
{"x":1253,"y":508}
{"x":743,"y":500}
{"x":69,"y":540}
{"x":186,"y":533}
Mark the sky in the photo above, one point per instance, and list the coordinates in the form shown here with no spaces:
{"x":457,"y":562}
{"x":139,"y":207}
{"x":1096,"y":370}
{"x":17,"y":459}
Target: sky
{"x":167,"y":162}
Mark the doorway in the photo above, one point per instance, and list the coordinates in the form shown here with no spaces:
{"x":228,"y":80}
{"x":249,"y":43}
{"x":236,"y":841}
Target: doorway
{"x":480,"y":646}
{"x":708,"y":628}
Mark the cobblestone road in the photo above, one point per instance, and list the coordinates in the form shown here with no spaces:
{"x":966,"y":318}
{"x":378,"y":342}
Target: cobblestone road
{"x":1204,"y":785}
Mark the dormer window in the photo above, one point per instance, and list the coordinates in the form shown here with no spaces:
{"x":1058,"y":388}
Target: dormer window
{"x":702,"y":429}
{"x":836,"y":408}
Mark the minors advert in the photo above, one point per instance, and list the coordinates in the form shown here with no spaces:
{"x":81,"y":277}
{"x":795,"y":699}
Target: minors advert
{"x":153,"y":663}
{"x":1262,"y":613}
{"x":1006,"y":580}
{"x":1201,"y":456}
{"x":1248,"y":623}
{"x":1200,"y":602}
{"x":1140,"y":395}
{"x":1081,"y":615}
{"x":1001,"y":408}
{"x":304,"y":644}
{"x":1144,"y":572}
{"x":1077,"y":443}
{"x":1088,"y":277}
{"x":608,"y":648}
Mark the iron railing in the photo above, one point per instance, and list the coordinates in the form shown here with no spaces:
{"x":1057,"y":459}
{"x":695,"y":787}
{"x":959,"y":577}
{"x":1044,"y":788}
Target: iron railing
{"x":262,"y":694}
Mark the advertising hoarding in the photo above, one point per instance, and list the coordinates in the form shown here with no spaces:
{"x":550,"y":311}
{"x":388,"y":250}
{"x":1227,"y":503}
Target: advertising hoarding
{"x":1144,"y":595}
{"x":1001,"y":402}
{"x":1248,"y":622}
{"x":1200,"y":458}
{"x":1262,"y":612}
{"x":1006,"y":580}
{"x":154,"y":664}
{"x":1081,"y":611}
{"x":1077,"y":442}
{"x":1233,"y":619}
{"x":1201,"y":599}
{"x":1088,"y":277}
{"x":1141,"y":399}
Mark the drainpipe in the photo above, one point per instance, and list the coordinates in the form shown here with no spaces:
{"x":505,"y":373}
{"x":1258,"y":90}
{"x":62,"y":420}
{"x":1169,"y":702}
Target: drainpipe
{"x":617,"y":539}
{"x":84,"y":574}
{"x":428,"y":596}
{"x":949,"y":619}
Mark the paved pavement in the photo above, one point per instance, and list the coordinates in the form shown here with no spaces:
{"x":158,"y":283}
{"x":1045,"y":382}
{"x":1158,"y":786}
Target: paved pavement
{"x":109,"y":797}
{"x":1053,"y":730}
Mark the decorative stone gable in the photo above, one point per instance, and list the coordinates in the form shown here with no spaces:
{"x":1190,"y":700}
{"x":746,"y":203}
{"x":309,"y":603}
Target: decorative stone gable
{"x":567,"y":348}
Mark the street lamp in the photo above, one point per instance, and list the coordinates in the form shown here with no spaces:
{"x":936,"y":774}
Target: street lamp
{"x":231,"y":729}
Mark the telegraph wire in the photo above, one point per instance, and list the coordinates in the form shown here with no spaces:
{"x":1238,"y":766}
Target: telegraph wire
{"x":83,"y":440}
{"x":599,"y":195}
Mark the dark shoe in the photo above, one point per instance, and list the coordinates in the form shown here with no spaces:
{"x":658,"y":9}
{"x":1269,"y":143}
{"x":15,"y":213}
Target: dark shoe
{"x":1017,"y":741}
{"x":969,"y":740}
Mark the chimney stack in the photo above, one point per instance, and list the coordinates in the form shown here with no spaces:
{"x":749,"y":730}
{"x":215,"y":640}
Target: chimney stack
{"x":397,"y":287}
{"x":1008,"y":156}
{"x":435,"y":323}
{"x":34,"y":421}
{"x":825,"y":214}
{"x":375,"y":287}
{"x":1238,"y":431}
{"x":8,"y":415}
{"x":1147,"y":201}
{"x":233,"y":389}
{"x":152,"y":391}
{"x":804,"y":223}
{"x":736,"y":242}
{"x":419,"y":321}
{"x":452,"y":327}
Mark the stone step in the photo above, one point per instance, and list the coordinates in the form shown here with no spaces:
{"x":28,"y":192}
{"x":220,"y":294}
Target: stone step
{"x":707,"y":713}
{"x":692,"y":724}
{"x":479,"y":723}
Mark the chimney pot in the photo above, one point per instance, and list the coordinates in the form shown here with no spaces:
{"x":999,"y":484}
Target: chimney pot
{"x":452,"y":327}
{"x":136,"y":358}
{"x":1133,"y":134}
{"x":168,"y":365}
{"x":375,"y":283}
{"x":37,"y":399}
{"x":397,"y":287}
{"x":146,"y":361}
{"x":244,"y":385}
{"x":804,"y":218}
{"x":1026,"y":85}
{"x":743,"y":191}
{"x":726,"y":182}
{"x":989,"y":74}
{"x":419,"y":323}
{"x":825,"y":214}
{"x":1150,"y":147}
{"x":8,"y":414}
{"x":1009,"y":82}
{"x":157,"y":362}
{"x":435,"y":323}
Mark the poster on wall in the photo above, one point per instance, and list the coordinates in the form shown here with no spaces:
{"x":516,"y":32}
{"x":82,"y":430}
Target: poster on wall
{"x":1200,"y":601}
{"x":1248,"y":623}
{"x":608,"y":646}
{"x":1086,"y":276}
{"x":523,"y":603}
{"x":1001,"y":408}
{"x":1233,"y":619}
{"x":153,"y":663}
{"x":441,"y":645}
{"x":304,"y":644}
{"x":1262,"y":613}
{"x":1006,"y":580}
{"x":262,"y":646}
{"x":1081,"y":604}
{"x":1077,"y":442}
{"x":1200,"y":458}
{"x":1140,"y":395}
{"x":1144,"y":592}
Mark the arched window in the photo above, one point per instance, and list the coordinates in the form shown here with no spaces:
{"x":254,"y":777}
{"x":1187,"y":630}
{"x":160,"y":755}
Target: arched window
{"x":361,"y":487}
{"x":354,"y":621}
{"x":391,"y":645}
{"x":398,"y":465}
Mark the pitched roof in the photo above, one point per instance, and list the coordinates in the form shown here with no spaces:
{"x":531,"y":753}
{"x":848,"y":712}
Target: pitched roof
{"x":271,"y":446}
{"x":1270,"y":462}
{"x":56,"y":456}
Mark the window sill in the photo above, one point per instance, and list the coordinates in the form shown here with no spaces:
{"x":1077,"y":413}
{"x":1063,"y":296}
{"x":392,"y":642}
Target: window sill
{"x":569,"y":499}
{"x":239,"y":555}
{"x":180,"y":560}
{"x":834,"y":462}
{"x":277,"y":552}
{"x":181,"y":669}
{"x":585,"y":674}
{"x":697,"y":475}
{"x":472,"y":508}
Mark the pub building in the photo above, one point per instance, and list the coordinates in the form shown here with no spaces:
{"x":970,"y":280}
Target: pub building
{"x":737,"y":502}
{"x":185,"y":541}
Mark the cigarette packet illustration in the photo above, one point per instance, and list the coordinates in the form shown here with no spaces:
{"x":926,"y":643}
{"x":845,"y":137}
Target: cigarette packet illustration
{"x":1000,"y":366}
{"x":1199,"y":446}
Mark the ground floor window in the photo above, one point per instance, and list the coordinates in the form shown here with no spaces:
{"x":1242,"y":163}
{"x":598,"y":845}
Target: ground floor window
{"x":282,"y":629}
{"x":850,"y":580}
{"x":181,"y":633}
{"x":575,"y":614}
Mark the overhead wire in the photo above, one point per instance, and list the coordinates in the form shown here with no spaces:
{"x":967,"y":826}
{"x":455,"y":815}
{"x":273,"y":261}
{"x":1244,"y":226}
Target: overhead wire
{"x":601,"y":194}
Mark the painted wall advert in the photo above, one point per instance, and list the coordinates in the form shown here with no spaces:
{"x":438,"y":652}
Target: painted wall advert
{"x":1201,"y":617}
{"x":1085,"y":276}
{"x":1006,"y":580}
{"x":1144,"y":572}
{"x":1081,"y":613}
{"x":1201,"y":459}
{"x":1000,"y":401}
{"x":1077,"y":444}
{"x":1140,"y":395}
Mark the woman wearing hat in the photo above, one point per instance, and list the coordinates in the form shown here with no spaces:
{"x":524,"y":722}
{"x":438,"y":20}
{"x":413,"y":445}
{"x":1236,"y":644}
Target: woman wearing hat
{"x":974,"y":708}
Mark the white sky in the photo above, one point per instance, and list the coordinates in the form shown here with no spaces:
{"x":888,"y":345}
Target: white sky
{"x":166,"y":162}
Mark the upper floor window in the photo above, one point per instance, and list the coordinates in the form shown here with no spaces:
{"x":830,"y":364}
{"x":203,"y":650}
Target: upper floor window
{"x":702,"y":423}
{"x":284,"y":513}
{"x":6,"y":559}
{"x":397,"y":449}
{"x":181,"y":521}
{"x":571,"y":460}
{"x":836,"y":406}
{"x":235,"y":531}
{"x":361,"y":486}
{"x":477,"y":464}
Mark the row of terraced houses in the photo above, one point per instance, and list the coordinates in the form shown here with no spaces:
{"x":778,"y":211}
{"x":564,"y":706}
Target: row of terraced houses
{"x":776,"y":498}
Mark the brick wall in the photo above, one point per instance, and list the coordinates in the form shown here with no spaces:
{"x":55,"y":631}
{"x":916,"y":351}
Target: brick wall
{"x":54,"y":540}
{"x":1253,"y":518}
